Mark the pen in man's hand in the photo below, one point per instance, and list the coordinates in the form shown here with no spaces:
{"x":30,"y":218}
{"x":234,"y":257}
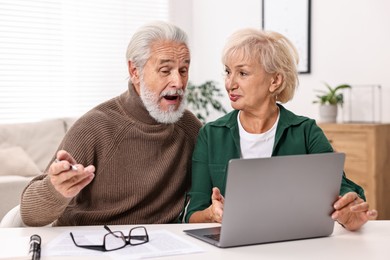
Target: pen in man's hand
{"x":73,"y":167}
{"x":35,"y":247}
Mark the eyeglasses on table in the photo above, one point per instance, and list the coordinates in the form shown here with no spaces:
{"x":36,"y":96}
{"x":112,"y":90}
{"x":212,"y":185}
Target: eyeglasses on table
{"x":115,"y":240}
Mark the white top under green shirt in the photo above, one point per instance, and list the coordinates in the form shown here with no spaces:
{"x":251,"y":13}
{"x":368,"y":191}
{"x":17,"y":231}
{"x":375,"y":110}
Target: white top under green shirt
{"x":257,"y":145}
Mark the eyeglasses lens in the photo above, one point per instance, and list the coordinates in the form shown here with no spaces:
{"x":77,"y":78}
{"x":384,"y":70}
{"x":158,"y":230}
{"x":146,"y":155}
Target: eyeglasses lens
{"x":138,"y":236}
{"x":114,"y":240}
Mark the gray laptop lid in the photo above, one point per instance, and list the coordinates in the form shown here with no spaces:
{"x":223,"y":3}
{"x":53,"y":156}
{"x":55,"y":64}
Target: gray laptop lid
{"x":278,"y":198}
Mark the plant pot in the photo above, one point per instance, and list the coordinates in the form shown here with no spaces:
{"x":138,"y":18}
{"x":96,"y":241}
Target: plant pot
{"x":328,"y":113}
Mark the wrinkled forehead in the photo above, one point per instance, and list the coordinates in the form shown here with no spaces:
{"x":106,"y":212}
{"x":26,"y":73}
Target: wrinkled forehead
{"x":170,"y":50}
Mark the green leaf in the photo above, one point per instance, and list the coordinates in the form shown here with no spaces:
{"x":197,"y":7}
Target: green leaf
{"x":331,"y":96}
{"x":202,"y":99}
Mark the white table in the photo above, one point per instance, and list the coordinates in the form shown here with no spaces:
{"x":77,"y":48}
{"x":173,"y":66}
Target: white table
{"x":371,"y":242}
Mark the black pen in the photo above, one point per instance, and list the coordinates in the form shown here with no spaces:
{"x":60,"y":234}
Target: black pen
{"x":35,"y":247}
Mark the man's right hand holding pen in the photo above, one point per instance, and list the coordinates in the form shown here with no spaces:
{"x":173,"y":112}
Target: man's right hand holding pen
{"x":68,"y":177}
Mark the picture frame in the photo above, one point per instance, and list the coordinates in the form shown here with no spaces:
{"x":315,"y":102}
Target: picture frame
{"x":292,"y":19}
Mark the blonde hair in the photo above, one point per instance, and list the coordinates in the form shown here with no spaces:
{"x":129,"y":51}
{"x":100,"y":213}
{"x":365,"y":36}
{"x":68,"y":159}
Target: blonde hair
{"x":273,"y":51}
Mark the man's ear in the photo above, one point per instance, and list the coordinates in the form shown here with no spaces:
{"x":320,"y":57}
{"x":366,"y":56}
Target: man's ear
{"x":276,"y":81}
{"x":135,"y":76}
{"x":133,"y":71}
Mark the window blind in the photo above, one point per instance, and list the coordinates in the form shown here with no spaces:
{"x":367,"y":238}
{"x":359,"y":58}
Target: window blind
{"x":60,"y":58}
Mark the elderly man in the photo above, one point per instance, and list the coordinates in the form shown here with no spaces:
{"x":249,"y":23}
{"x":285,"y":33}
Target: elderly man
{"x":128,"y":160}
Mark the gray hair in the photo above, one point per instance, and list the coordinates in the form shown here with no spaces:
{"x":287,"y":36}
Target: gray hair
{"x":273,"y":51}
{"x":138,"y":50}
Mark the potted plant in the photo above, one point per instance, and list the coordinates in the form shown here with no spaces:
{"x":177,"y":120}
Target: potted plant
{"x":329,"y":100}
{"x":202,"y":99}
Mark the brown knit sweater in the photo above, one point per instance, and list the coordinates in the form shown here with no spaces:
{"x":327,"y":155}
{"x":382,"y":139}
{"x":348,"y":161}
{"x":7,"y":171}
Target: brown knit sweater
{"x":142,"y":168}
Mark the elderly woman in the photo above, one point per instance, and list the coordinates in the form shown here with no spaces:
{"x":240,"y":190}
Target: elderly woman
{"x":260,"y":73}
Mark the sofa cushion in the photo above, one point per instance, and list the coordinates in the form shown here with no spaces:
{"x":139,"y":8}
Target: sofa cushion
{"x":39,"y":140}
{"x":15,"y":161}
{"x":69,"y":121}
{"x":11,"y":188}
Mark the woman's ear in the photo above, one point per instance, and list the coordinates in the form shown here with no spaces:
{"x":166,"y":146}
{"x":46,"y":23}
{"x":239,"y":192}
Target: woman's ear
{"x":276,"y":82}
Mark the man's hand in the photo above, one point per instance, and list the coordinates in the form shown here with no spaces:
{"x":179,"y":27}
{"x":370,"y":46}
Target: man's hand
{"x":216,"y":208}
{"x":68,"y":180}
{"x":352,"y":212}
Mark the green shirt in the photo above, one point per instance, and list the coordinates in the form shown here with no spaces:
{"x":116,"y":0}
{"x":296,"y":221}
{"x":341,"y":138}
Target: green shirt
{"x":219,"y":141}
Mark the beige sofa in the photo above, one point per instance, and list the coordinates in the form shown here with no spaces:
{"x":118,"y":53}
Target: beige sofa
{"x":25,"y":151}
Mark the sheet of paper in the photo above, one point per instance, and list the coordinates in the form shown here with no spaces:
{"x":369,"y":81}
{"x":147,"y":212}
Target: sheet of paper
{"x":161,"y":243}
{"x":14,"y":247}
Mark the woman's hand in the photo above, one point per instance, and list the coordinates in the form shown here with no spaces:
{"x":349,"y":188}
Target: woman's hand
{"x":216,"y":207}
{"x":213,"y":213}
{"x":352,"y":212}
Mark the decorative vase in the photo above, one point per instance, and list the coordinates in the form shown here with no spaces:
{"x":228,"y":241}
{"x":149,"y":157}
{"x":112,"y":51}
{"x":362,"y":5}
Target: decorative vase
{"x":328,"y":113}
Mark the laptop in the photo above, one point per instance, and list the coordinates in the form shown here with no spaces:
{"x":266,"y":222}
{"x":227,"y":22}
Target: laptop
{"x":277,"y":199}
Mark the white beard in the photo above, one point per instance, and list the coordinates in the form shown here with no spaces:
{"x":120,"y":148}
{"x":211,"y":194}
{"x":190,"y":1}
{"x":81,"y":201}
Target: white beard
{"x":150,"y":100}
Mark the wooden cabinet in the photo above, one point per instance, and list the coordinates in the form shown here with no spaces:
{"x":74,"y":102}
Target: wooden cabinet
{"x":367,"y":149}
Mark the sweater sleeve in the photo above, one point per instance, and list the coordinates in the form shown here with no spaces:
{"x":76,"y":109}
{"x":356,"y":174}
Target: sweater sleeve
{"x":41,"y":204}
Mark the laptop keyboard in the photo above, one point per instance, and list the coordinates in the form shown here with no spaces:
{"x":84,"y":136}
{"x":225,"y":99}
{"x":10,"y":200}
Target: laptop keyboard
{"x":213,"y":236}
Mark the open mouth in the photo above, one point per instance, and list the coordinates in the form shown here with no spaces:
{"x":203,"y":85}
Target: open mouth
{"x":171,"y":97}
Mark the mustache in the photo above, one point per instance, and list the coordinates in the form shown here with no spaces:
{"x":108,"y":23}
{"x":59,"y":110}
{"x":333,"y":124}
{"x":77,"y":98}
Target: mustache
{"x":173,"y":92}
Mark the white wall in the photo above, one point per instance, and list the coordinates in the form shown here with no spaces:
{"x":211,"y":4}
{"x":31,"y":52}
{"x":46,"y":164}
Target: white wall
{"x":350,"y":43}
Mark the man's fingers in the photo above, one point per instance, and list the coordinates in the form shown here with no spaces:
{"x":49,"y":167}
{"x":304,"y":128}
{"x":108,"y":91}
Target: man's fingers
{"x":74,"y":189}
{"x":69,"y":182}
{"x":67,"y":177}
{"x":73,"y":183}
{"x":63,"y":155}
{"x":74,"y":176}
{"x":63,"y":162}
{"x":61,"y":166}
